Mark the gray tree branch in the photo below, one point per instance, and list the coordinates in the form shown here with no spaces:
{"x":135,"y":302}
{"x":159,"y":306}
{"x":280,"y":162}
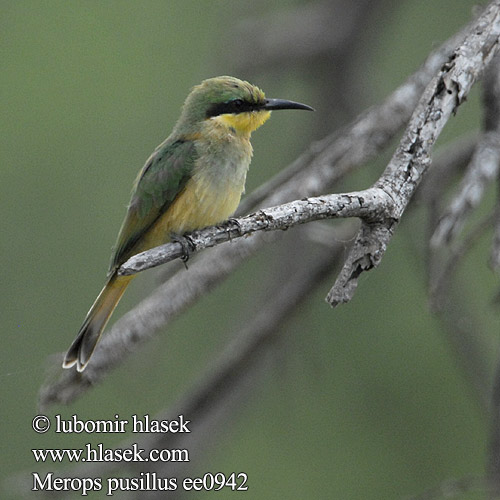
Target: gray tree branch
{"x":371,"y":203}
{"x":446,"y":91}
{"x":484,"y":166}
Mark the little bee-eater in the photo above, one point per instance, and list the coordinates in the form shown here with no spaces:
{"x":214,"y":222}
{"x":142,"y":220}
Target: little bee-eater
{"x":195,"y":178}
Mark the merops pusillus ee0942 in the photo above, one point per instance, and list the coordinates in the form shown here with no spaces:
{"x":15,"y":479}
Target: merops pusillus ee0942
{"x":195,"y":178}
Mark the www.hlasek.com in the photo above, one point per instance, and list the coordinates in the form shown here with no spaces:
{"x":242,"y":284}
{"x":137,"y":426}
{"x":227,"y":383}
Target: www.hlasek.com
{"x":99,"y":453}
{"x":145,"y":481}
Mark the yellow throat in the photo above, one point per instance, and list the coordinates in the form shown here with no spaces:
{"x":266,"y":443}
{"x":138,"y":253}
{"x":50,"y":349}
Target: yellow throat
{"x":243,"y":123}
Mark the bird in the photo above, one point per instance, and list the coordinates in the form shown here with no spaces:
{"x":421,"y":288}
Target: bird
{"x":193,"y":179}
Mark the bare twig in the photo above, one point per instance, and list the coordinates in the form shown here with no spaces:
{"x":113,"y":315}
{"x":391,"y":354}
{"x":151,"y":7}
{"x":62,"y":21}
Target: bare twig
{"x":484,"y":166}
{"x":405,"y":170}
{"x":371,"y":203}
{"x":482,"y":170}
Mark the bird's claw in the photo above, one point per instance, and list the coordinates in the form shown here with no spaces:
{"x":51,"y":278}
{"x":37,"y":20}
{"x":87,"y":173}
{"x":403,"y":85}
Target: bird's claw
{"x":186,"y":244}
{"x":233,"y":223}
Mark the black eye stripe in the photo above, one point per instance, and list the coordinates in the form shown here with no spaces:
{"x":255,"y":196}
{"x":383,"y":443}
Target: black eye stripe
{"x":233,"y":106}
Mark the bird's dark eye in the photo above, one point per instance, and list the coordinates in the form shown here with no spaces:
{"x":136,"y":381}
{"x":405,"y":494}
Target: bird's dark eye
{"x":233,"y":106}
{"x":237,"y":104}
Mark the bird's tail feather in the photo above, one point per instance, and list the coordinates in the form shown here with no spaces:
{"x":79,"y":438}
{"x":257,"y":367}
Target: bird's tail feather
{"x":84,"y":344}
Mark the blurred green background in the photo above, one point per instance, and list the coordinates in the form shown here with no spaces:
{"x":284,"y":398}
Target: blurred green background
{"x":364,"y":402}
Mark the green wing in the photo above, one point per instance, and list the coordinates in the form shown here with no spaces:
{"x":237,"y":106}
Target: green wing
{"x":159,"y":182}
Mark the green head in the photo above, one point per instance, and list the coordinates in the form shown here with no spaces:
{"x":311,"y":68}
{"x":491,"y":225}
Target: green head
{"x":229,"y":102}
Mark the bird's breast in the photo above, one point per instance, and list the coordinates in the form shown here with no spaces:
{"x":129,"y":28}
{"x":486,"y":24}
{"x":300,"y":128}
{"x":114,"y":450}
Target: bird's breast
{"x":211,"y":195}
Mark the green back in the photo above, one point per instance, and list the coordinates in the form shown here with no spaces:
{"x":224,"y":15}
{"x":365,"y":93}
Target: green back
{"x":159,"y":182}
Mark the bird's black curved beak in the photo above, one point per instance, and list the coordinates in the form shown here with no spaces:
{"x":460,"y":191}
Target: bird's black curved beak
{"x":272,"y":104}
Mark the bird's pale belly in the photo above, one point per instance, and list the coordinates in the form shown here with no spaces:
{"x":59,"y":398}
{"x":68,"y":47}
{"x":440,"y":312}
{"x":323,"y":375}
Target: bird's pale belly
{"x":198,"y":205}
